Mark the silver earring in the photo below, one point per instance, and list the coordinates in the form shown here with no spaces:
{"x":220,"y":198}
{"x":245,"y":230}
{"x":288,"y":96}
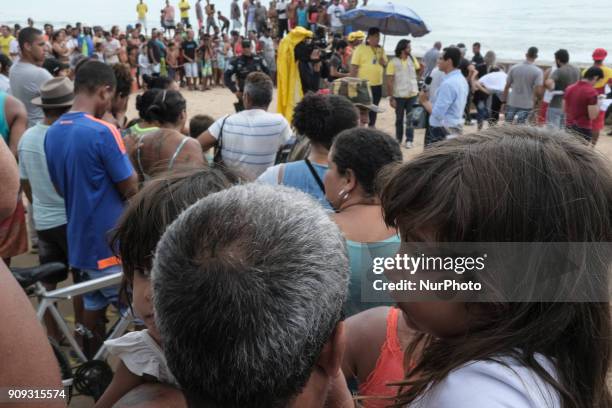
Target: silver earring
{"x":340,"y":193}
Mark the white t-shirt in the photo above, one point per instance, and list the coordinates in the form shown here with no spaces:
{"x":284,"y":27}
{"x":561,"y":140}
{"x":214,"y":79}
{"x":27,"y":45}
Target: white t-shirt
{"x":437,"y":77}
{"x":111,"y":47}
{"x":251,"y":139}
{"x":72,"y":43}
{"x":281,"y":10}
{"x":144,"y":64}
{"x":493,"y":385}
{"x":14,"y":50}
{"x":268,"y":47}
{"x":141,"y":355}
{"x":5,"y":85}
{"x":495,"y":81}
{"x":334,"y":13}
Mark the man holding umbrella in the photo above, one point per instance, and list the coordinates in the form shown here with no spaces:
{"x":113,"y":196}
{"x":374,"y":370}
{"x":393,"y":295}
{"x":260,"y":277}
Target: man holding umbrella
{"x":368,"y":62}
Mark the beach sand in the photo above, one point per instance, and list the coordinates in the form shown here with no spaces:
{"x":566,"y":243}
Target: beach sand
{"x":219,"y":101}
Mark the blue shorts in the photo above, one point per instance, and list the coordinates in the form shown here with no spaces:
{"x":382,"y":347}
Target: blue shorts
{"x":100,"y":298}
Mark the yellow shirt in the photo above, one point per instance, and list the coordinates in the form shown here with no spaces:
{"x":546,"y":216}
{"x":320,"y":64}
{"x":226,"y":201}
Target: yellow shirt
{"x":5,"y":43}
{"x":142,"y":10}
{"x":184,"y":7}
{"x":607,"y":78}
{"x":367,"y":60}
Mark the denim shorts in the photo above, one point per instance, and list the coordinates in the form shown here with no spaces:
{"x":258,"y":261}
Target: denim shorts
{"x":100,"y":298}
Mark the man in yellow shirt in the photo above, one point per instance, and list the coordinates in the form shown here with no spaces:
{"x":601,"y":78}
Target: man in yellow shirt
{"x":369,"y":62}
{"x":142,"y":11}
{"x":5,"y":40}
{"x":184,"y":8}
{"x":403,"y":89}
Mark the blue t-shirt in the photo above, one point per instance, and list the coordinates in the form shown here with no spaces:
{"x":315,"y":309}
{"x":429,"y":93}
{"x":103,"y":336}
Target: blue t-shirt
{"x":298,"y":175}
{"x":302,"y":17}
{"x":86,"y":157}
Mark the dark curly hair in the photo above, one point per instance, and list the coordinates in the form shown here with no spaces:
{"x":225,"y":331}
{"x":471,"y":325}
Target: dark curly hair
{"x":167,"y":107}
{"x":156,"y":81}
{"x":321,"y":117}
{"x":124,"y":79}
{"x":366,"y":152}
{"x":144,"y":102}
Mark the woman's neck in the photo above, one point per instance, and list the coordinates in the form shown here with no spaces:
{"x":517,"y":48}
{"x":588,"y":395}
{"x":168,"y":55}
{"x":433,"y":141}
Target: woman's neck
{"x":356,"y":202}
{"x":318,"y":154}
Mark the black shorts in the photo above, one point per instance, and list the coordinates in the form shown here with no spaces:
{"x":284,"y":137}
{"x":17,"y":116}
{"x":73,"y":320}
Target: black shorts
{"x":53,"y":247}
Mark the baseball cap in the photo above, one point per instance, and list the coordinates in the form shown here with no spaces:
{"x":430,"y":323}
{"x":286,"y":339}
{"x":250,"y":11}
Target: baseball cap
{"x":599,"y":54}
{"x":53,"y":65}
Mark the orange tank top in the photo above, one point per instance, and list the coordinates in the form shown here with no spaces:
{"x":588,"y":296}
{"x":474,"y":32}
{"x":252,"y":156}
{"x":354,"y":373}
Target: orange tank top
{"x":389,"y":367}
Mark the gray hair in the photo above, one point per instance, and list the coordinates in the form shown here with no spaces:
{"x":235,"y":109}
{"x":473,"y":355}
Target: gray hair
{"x":260,"y":88}
{"x":249,"y":284}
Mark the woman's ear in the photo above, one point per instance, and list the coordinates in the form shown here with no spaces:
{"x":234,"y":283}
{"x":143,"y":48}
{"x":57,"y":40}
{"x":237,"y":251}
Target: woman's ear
{"x":351,"y":180}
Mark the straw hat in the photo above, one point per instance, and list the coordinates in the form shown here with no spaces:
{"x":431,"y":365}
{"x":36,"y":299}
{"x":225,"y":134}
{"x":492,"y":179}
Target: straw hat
{"x":55,"y":93}
{"x":357,"y":91}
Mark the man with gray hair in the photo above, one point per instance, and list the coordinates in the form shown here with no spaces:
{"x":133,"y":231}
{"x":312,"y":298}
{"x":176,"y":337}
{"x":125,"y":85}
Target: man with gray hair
{"x":249,"y":285}
{"x":248,"y":141}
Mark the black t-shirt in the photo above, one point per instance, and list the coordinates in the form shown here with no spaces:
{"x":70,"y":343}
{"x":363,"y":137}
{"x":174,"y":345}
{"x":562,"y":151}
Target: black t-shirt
{"x":189,"y":49}
{"x":477,"y":59}
{"x":336,"y":62}
{"x":154,"y":50}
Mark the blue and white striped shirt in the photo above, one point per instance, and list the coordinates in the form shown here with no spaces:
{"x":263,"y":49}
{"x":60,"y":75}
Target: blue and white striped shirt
{"x":251,"y":139}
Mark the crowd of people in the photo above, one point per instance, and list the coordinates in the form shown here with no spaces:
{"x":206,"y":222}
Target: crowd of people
{"x":244,"y":240}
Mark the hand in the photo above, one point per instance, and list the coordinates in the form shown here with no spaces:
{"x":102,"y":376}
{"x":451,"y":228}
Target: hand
{"x":392,"y":102}
{"x":424,"y":96}
{"x":317,"y":66}
{"x":238,"y":94}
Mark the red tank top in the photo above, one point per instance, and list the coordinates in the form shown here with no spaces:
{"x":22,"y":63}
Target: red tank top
{"x":389,"y":367}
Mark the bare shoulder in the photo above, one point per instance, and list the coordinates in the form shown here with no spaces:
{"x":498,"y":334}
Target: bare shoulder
{"x":371,"y":324}
{"x":14,"y":107}
{"x":365,"y":334}
{"x":152,"y":395}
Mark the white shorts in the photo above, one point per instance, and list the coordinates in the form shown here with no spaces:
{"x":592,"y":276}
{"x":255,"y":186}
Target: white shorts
{"x":191,"y":69}
{"x":156,"y":68}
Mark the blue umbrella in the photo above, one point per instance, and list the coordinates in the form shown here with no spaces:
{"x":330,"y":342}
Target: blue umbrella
{"x":391,"y":19}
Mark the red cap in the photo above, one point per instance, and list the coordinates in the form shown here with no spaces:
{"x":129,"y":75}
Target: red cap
{"x":599,"y":54}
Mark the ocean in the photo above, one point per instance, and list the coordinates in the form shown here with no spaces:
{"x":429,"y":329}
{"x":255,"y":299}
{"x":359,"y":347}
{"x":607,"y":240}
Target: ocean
{"x":508,"y":27}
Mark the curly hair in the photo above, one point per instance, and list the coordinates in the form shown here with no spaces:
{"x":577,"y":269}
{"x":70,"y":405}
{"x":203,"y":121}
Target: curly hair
{"x":366,"y":152}
{"x":321,"y":117}
{"x":124,"y":79}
